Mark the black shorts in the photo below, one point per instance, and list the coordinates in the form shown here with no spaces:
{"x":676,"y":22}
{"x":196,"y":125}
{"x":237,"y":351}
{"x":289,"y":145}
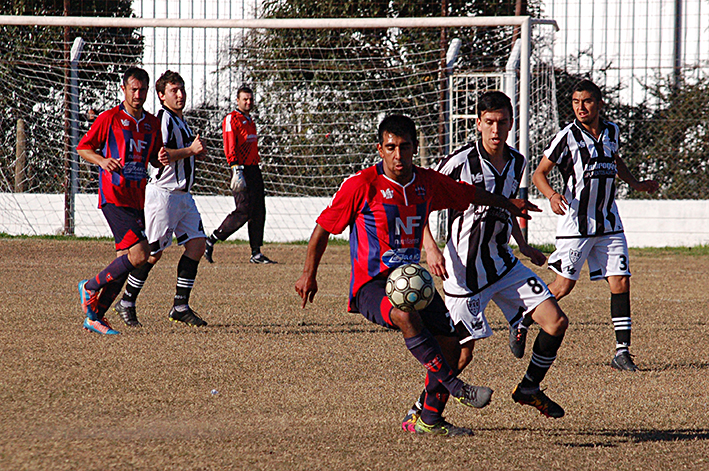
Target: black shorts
{"x":127,"y":225}
{"x":372,"y":302}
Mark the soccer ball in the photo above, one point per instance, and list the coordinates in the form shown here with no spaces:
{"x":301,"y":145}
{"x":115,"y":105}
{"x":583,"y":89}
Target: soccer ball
{"x":410,"y":287}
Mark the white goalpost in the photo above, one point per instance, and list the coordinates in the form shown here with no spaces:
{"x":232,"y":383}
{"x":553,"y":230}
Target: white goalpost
{"x":321,"y":86}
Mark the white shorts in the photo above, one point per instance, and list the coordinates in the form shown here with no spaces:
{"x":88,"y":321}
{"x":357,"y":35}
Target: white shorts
{"x":168,"y":213}
{"x":517,"y":294}
{"x":606,"y":256}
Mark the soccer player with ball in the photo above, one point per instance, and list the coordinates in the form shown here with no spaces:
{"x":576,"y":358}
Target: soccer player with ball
{"x":479,"y":265}
{"x":386,"y":207}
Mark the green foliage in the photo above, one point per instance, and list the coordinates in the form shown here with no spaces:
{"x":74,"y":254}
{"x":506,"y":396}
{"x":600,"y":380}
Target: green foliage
{"x":32,"y":75}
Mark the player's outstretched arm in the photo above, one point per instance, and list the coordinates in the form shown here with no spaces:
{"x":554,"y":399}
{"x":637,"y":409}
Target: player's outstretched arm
{"x":648,"y":186}
{"x":516,"y":207}
{"x":307,"y":285}
{"x":541,"y":181}
{"x":434,"y":257}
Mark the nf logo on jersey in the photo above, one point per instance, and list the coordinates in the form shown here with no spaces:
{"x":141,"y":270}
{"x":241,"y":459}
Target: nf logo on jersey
{"x":582,"y":144}
{"x":388,"y":193}
{"x":408,"y":226}
{"x":574,"y":256}
{"x":420,"y":191}
{"x":125,"y":122}
{"x":477,"y":178}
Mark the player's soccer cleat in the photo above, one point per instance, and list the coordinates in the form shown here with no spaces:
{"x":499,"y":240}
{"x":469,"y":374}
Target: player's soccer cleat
{"x":261,"y":259}
{"x":409,"y":422}
{"x":474,"y":396}
{"x":441,"y":428}
{"x":100,"y":326}
{"x":188,"y":316}
{"x":127,"y":314}
{"x":540,"y":401}
{"x":518,"y":339}
{"x":624,"y":362}
{"x":209,"y":251}
{"x":89,"y":300}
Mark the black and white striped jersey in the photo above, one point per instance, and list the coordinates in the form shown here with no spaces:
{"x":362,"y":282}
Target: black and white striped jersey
{"x":176,"y":134}
{"x":588,"y":171}
{"x":477,"y":252}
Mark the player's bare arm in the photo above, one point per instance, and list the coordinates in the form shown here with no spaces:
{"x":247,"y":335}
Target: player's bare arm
{"x":108,"y":164}
{"x":648,"y":186}
{"x":535,"y":255}
{"x":434,"y":256}
{"x":196,"y":148}
{"x":541,"y":181}
{"x":516,"y":207}
{"x":307,"y":285}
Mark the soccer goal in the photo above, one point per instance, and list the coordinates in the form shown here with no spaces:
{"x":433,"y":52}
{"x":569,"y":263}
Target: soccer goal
{"x":321,"y":87}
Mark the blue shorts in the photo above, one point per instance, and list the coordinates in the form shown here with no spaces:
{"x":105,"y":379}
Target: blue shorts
{"x":372,"y":302}
{"x":127,"y":225}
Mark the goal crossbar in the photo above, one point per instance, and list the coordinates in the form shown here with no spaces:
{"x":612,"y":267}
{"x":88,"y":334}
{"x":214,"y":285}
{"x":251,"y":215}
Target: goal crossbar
{"x":274,"y":23}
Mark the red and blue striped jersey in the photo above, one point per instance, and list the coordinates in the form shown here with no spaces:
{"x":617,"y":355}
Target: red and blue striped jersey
{"x":117,"y":135}
{"x":387,"y":219}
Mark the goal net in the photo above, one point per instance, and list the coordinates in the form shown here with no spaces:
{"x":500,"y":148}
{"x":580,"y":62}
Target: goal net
{"x":320,"y":93}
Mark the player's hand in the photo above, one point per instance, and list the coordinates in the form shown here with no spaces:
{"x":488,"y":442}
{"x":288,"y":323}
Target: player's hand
{"x":648,"y":186}
{"x":110,"y":164}
{"x":436,"y":263}
{"x":306,"y":287}
{"x":558,"y":204}
{"x":535,"y":255}
{"x":520,"y":208}
{"x":163,"y":156}
{"x":198,"y":148}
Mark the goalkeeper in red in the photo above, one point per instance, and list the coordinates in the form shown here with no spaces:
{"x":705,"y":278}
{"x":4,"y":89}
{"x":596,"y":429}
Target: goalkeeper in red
{"x":121,"y":142}
{"x":386,"y":208}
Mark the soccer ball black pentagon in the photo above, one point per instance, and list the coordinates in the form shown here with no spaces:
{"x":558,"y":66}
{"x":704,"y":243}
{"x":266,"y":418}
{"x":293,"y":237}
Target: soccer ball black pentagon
{"x":410,"y":287}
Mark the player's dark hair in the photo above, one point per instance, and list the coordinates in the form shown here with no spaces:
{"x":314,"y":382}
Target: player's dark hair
{"x":586,"y":85}
{"x":244,"y":89}
{"x":398,"y":125}
{"x":168,"y":77}
{"x":137,"y":73}
{"x":493,"y":101}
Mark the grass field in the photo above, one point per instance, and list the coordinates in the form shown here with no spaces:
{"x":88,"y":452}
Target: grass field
{"x":323,"y":389}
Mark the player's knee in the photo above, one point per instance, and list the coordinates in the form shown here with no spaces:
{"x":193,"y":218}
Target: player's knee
{"x":561,"y":289}
{"x":405,"y":320}
{"x":619,"y":284}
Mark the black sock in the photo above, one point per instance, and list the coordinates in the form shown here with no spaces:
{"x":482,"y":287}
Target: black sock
{"x":114,"y":271}
{"x":186,"y":273}
{"x":108,"y":294}
{"x":434,"y":402}
{"x":543,"y":355}
{"x":136,"y":281}
{"x":620,"y":314}
{"x":427,"y":351}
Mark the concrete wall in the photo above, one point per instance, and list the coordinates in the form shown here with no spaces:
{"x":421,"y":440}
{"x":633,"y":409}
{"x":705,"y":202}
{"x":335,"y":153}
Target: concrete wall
{"x":647,"y":223}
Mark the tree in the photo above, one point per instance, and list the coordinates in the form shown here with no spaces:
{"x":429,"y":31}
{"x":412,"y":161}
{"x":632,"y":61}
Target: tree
{"x":32,"y":75}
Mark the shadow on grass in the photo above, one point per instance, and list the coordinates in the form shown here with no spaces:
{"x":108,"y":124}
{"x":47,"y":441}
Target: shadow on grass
{"x":612,"y":438}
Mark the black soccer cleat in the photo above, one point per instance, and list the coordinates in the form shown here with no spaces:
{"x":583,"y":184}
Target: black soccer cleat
{"x":127,"y":314}
{"x":261,"y":259}
{"x":539,"y":401}
{"x":624,"y":362}
{"x":518,"y":340}
{"x":188,"y":316}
